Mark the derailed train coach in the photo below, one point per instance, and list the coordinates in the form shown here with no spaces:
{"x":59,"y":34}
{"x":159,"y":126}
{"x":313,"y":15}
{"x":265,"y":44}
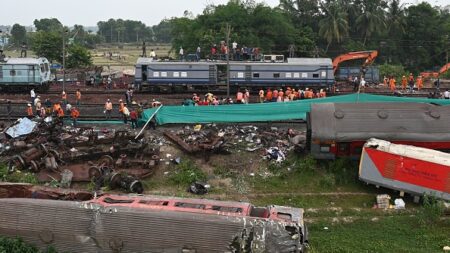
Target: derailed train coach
{"x":296,"y":72}
{"x":341,"y":129}
{"x":119,"y":223}
{"x":24,"y":73}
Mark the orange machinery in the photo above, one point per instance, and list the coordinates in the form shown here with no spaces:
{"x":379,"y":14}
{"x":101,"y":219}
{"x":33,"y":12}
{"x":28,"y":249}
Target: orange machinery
{"x":436,"y":74}
{"x":368,"y":55}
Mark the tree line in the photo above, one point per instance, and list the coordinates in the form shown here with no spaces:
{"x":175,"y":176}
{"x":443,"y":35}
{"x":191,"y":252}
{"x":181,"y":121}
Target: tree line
{"x":414,"y":36}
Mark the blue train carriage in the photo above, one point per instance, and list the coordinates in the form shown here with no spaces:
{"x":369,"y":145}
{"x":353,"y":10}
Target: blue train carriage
{"x":25,"y":73}
{"x":165,"y":75}
{"x":296,"y":72}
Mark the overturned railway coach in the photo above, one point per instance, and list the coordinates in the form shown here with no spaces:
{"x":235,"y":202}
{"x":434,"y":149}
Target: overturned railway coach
{"x":341,"y":129}
{"x":296,"y":72}
{"x":24,"y":73}
{"x":115,"y":223}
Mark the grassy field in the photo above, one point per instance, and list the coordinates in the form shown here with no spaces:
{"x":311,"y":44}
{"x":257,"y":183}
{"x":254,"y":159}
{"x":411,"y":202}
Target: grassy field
{"x":338,"y":208}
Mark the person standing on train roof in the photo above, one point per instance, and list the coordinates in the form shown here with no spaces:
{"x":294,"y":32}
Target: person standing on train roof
{"x":261,"y":95}
{"x":29,"y":111}
{"x":269,"y":95}
{"x":275,"y":95}
{"x":32,"y":95}
{"x":181,"y":53}
{"x":77,"y":97}
{"x":198,"y":53}
{"x":152,"y":54}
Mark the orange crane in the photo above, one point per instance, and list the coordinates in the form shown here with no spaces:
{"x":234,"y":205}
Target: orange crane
{"x":368,"y":55}
{"x":436,"y":74}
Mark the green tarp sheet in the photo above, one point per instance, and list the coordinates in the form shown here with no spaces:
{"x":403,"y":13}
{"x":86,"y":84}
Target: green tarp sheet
{"x":295,"y":110}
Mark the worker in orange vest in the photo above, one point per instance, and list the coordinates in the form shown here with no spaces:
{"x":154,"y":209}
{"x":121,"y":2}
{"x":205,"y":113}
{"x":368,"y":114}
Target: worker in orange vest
{"x":78,"y":97}
{"x":121,"y":106}
{"x":60,"y":113}
{"x":74,"y":114}
{"x":419,"y":82}
{"x":392,"y":84}
{"x":404,"y":82}
{"x":269,"y":95}
{"x":29,"y":111}
{"x":239,"y":97}
{"x":56,"y":107}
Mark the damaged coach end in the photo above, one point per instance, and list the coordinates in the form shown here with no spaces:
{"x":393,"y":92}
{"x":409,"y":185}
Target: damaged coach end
{"x":136,"y":223}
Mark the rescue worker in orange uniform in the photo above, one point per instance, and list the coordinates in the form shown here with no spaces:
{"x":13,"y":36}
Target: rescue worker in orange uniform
{"x":29,"y":111}
{"x":392,"y":84}
{"x":419,"y":82}
{"x":404,"y":82}
{"x":74,"y":114}
{"x":56,"y":107}
{"x":269,"y":95}
{"x":121,"y":106}
{"x":78,"y":97}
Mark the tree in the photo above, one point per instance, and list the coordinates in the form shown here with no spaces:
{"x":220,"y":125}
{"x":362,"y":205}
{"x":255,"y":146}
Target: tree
{"x":48,"y":45}
{"x":334,"y":25}
{"x":303,"y":12}
{"x":48,"y":25}
{"x":18,"y":34}
{"x":78,"y":57}
{"x":371,"y":19}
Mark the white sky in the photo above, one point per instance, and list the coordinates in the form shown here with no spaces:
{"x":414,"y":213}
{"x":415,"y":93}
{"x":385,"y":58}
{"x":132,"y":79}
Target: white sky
{"x":89,"y":12}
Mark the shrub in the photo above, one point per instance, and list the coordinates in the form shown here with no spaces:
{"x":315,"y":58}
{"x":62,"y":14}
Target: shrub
{"x":186,"y":173}
{"x":397,"y":71}
{"x":431,"y":211}
{"x":16,"y":176}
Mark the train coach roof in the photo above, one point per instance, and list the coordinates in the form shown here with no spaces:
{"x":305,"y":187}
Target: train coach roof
{"x":310,"y":61}
{"x":390,"y":121}
{"x":25,"y":60}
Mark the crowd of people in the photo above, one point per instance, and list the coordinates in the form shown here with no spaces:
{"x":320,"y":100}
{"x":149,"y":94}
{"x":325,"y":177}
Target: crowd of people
{"x":268,"y":95}
{"x":219,"y":52}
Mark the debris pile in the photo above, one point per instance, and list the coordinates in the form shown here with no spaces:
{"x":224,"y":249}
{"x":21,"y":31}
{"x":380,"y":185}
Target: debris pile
{"x":273,"y":141}
{"x":78,"y":154}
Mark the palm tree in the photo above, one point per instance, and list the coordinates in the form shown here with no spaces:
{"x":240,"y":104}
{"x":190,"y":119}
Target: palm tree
{"x":334,"y":25}
{"x":371,"y":19}
{"x":396,"y":18}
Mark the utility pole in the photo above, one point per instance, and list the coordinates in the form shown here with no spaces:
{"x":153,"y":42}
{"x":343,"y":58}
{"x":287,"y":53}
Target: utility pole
{"x":228,"y":59}
{"x":64,"y":59}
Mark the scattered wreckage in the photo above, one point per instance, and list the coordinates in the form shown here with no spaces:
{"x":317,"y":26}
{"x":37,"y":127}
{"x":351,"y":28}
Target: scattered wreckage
{"x":55,"y":152}
{"x":110,"y":223}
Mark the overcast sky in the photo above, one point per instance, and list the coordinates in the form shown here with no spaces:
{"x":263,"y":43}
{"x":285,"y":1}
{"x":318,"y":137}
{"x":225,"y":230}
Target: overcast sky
{"x":89,"y":12}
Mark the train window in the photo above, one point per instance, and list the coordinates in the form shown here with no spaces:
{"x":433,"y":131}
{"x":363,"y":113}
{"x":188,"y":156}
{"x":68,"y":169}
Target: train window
{"x":240,"y":75}
{"x":304,"y":75}
{"x":190,"y":205}
{"x":12,"y":72}
{"x":163,"y":74}
{"x":1,"y":72}
{"x":296,"y":75}
{"x":315,"y":75}
{"x":183,"y":74}
{"x":324,"y":74}
{"x":118,"y":201}
{"x":276,"y":75}
{"x":256,"y":75}
{"x":227,"y":209}
{"x":19,"y":73}
{"x":155,"y":74}
{"x":288,"y":75}
{"x":324,"y":148}
{"x":176,"y":74}
{"x":42,"y":68}
{"x":154,"y":202}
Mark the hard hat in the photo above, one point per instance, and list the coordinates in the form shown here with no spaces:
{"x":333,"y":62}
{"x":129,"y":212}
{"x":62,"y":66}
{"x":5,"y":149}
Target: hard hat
{"x":29,"y":104}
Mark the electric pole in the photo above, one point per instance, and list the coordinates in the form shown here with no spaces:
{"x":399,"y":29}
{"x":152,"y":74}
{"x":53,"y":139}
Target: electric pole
{"x":228,"y":59}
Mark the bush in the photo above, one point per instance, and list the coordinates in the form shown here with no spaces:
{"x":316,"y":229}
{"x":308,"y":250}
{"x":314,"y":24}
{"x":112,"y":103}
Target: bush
{"x":16,"y":176}
{"x":17,"y":245}
{"x":308,"y":163}
{"x":186,"y":173}
{"x":431,"y":211}
{"x":344,"y":170}
{"x":397,"y":71}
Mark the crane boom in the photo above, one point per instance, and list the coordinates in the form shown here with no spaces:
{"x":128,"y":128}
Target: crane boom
{"x":368,"y":55}
{"x":436,"y":74}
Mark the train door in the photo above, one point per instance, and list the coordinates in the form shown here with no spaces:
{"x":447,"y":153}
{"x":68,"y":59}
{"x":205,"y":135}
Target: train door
{"x":32,"y":74}
{"x":144,"y":73}
{"x":221,"y":74}
{"x":212,"y":74}
{"x":248,"y":73}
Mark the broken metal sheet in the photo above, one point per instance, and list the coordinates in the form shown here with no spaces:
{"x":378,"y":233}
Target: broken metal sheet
{"x":21,"y":190}
{"x":25,"y":126}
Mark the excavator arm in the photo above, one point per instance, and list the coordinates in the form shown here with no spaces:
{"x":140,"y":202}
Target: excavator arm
{"x":444,"y":68}
{"x":436,"y":74}
{"x":368,"y":55}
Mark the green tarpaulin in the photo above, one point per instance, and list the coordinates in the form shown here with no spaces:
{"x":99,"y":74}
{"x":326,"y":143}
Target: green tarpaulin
{"x":295,"y":110}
